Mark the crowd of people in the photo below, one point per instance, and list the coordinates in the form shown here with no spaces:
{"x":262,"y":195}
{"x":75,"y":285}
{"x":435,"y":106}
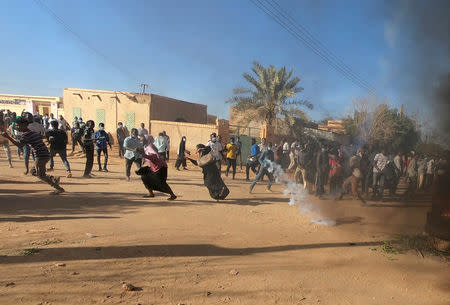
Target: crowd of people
{"x":361,"y":171}
{"x":313,"y":163}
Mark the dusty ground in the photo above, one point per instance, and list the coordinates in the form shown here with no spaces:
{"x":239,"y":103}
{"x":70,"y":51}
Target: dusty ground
{"x":182,"y":252}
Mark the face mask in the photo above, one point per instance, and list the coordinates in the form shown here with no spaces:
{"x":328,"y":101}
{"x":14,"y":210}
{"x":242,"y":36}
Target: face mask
{"x":213,"y":139}
{"x":120,"y":126}
{"x":184,"y":140}
{"x":102,"y":128}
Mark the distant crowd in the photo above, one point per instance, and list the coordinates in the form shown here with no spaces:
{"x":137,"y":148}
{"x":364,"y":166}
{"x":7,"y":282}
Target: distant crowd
{"x":311,"y":162}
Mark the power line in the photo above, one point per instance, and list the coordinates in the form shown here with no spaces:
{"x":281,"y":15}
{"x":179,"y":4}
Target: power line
{"x":317,"y":42}
{"x":310,"y":44}
{"x":85,"y":42}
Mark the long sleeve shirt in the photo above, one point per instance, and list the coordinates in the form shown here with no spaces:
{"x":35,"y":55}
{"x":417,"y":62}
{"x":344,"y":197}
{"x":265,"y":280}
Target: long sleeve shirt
{"x":255,"y":150}
{"x":101,"y":139}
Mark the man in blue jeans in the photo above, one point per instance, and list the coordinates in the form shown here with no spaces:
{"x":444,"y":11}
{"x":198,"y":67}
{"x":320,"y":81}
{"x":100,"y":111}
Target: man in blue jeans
{"x":132,"y":146}
{"x":58,"y":142}
{"x":379,"y":163}
{"x":101,"y":144}
{"x":252,"y":161}
{"x":266,"y":159}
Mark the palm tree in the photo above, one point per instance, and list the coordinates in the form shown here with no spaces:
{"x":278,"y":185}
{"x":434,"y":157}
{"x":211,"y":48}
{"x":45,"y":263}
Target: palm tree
{"x":271,"y":96}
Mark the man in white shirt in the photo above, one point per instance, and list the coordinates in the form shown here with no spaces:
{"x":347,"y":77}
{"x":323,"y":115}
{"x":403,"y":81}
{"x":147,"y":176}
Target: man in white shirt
{"x":50,"y":120}
{"x":379,"y":163}
{"x":421,"y":171}
{"x":142,"y":132}
{"x":263,"y":145}
{"x":430,"y":172}
{"x":216,"y":150}
{"x":161,"y":145}
{"x":411,"y":173}
{"x":398,"y":162}
{"x":168,"y":145}
{"x":292,"y":156}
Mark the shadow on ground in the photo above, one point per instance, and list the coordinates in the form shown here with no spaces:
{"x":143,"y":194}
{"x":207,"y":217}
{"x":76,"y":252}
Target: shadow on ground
{"x":180,"y":250}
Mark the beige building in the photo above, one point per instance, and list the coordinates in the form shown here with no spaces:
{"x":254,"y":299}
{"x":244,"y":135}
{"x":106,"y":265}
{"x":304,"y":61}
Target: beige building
{"x":111,"y":107}
{"x":32,"y":103}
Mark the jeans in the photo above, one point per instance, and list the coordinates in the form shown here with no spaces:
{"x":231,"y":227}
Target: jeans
{"x":105,"y":153}
{"x":321,"y":177}
{"x":378,"y":177}
{"x":75,"y":141}
{"x":40,"y":172}
{"x":252,"y":166}
{"x":63,"y":154}
{"x":7,"y":151}
{"x":231,"y":163}
{"x":89,"y":150}
{"x":129,"y":162}
{"x":26,"y":155}
{"x":262,"y":171}
{"x":121,"y":149}
{"x":162,"y":155}
{"x":412,"y":187}
{"x":366,"y":181}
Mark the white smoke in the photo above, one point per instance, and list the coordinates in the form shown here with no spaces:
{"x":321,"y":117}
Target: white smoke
{"x":298,"y":196}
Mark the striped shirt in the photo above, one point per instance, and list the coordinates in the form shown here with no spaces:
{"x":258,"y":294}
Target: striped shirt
{"x":34,"y":139}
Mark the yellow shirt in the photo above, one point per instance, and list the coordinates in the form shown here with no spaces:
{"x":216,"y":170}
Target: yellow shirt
{"x":232,"y":150}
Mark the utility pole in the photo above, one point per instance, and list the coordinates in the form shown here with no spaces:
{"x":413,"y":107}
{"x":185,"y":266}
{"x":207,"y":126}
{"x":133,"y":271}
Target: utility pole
{"x":143,"y":86}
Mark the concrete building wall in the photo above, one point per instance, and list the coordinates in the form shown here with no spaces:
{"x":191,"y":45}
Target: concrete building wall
{"x":30,"y":103}
{"x":109,"y":107}
{"x":168,"y":109}
{"x":195,"y":133}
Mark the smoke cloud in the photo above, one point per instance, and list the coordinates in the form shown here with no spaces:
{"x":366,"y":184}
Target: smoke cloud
{"x":299,"y":196}
{"x":419,"y":60}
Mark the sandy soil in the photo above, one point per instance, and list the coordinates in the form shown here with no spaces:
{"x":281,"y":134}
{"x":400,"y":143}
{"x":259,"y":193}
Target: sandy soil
{"x":182,"y":252}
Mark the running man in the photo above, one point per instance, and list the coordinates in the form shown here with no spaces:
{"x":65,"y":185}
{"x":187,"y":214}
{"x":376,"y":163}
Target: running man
{"x":34,"y":139}
{"x":266,"y":158}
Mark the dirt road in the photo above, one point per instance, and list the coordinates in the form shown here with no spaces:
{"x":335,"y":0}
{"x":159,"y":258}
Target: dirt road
{"x":248,"y":249}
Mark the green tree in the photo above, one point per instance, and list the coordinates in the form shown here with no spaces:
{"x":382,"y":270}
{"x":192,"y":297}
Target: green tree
{"x":271,"y":96}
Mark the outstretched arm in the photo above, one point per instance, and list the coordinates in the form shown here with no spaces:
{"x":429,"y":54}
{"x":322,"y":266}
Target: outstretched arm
{"x":6,"y":135}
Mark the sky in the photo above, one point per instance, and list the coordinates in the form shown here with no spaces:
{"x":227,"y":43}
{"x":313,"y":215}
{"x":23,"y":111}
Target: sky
{"x":192,"y":50}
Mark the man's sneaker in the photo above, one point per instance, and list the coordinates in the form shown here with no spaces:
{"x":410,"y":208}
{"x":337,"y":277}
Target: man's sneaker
{"x":128,"y":178}
{"x":10,"y":165}
{"x":105,"y":170}
{"x":87,"y":176}
{"x":99,"y":169}
{"x":69,"y":175}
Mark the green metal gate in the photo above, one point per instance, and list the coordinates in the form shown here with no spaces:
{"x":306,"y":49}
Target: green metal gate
{"x":100,"y":116}
{"x":76,"y":112}
{"x":130,"y":120}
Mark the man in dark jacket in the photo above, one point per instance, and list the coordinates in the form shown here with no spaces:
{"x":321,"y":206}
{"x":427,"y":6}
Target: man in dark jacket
{"x":266,"y":160}
{"x":101,"y":145}
{"x":321,"y":169}
{"x":76,"y":134}
{"x":88,"y":144}
{"x":58,"y":142}
{"x":122,"y":134}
